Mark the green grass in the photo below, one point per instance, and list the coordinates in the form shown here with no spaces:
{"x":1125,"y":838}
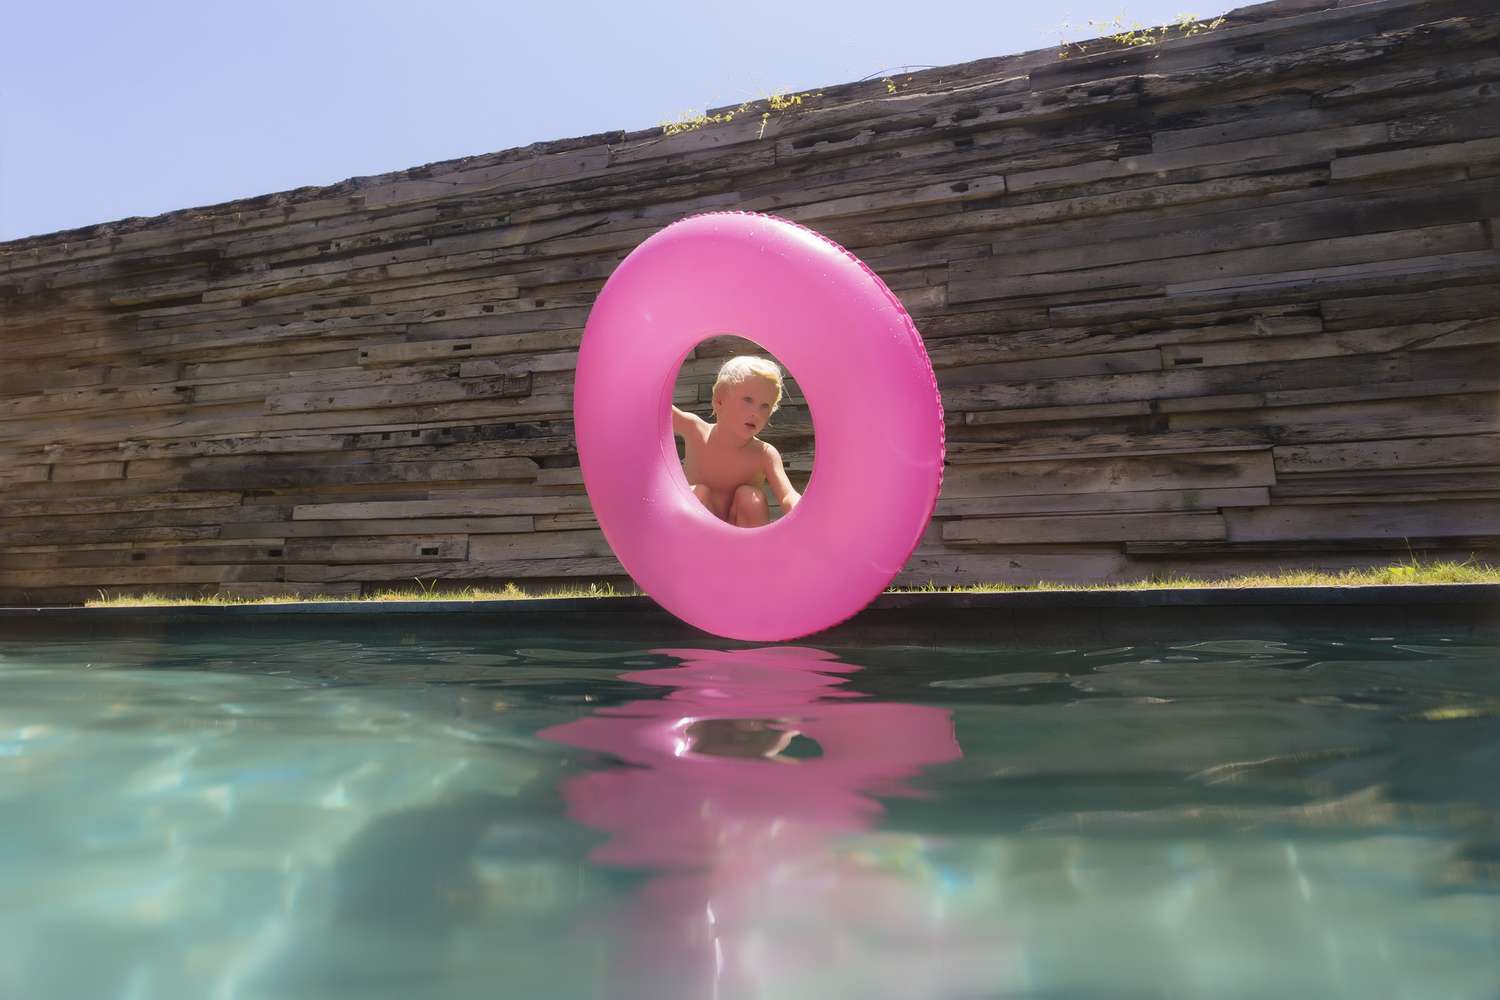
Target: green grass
{"x":1414,"y":571}
{"x":421,"y":592}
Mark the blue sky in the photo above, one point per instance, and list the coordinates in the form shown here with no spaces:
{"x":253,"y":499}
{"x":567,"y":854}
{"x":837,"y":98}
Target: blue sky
{"x":136,"y":107}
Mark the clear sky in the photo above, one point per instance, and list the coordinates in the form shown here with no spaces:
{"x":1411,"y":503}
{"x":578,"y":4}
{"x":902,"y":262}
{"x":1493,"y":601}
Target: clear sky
{"x":115,"y":108}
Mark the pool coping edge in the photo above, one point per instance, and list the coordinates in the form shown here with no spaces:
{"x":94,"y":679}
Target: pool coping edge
{"x":1394,"y":595}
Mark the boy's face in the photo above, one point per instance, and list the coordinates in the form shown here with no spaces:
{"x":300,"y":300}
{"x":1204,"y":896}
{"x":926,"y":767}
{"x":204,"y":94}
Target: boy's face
{"x":745,"y":407}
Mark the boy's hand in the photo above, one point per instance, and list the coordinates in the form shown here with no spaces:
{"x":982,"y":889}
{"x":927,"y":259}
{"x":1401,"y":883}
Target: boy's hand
{"x":778,"y":482}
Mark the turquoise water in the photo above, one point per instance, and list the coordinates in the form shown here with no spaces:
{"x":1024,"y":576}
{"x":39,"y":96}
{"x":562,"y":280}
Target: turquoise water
{"x":258,"y":816}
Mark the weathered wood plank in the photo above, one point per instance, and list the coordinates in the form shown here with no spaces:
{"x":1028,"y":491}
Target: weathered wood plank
{"x":1014,"y":371}
{"x":1383,"y":485}
{"x":109,"y":576}
{"x":146,"y":553}
{"x":1310,"y":147}
{"x":497,"y":387}
{"x":80,"y":472}
{"x":20,"y":378}
{"x":1408,"y":453}
{"x":565,"y":522}
{"x":518,"y":343}
{"x":1084,"y":445}
{"x":1078,"y":565}
{"x":1391,"y":521}
{"x":1320,"y":282}
{"x":205,"y":372}
{"x":510,"y":569}
{"x":1153,"y":472}
{"x":1388,"y":390}
{"x":966,"y":189}
{"x":539,"y":545}
{"x":233,"y":418}
{"x":1042,"y":341}
{"x":453,"y":507}
{"x":1261,"y":73}
{"x":404,"y":444}
{"x":1192,"y":381}
{"x":1454,"y":153}
{"x":52,"y":403}
{"x":380,"y":527}
{"x":13,"y":474}
{"x":1383,"y":419}
{"x":1375,"y":341}
{"x":92,"y":505}
{"x":561,"y":361}
{"x":1084,"y":528}
{"x":356,"y":549}
{"x":1143,"y":501}
{"x":974,"y":281}
{"x":1215,"y":404}
{"x":268,"y":475}
{"x":33,"y":531}
{"x":1156,"y":193}
{"x":1276,"y":219}
{"x":560,"y":477}
{"x":1243,"y":292}
{"x":1381,"y":96}
{"x":1049,"y":414}
{"x":1466,"y":301}
{"x":356,"y":377}
{"x":89,"y":526}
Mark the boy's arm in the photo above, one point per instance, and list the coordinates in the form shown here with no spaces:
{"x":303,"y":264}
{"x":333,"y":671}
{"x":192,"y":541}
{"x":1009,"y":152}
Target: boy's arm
{"x":683,"y":422}
{"x":778,"y":482}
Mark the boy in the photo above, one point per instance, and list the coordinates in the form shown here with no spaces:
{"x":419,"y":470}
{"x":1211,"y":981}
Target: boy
{"x":727,"y":466}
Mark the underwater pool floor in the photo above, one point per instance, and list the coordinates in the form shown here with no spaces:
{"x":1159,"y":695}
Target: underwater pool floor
{"x":257,"y":813}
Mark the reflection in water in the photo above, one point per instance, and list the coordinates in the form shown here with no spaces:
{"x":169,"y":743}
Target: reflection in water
{"x":256,"y":816}
{"x":737,"y":830}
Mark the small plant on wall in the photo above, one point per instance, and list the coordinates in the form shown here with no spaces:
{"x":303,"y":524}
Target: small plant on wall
{"x":1131,"y":34}
{"x":776,"y":103}
{"x":689,"y":121}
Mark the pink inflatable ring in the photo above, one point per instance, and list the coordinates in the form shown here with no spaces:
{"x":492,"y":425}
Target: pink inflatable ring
{"x":858,"y":360}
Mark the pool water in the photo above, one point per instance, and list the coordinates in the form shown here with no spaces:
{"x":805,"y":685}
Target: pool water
{"x":264,"y":815}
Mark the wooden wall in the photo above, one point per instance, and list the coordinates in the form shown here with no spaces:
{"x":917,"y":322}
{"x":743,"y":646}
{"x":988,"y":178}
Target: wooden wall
{"x":1220,"y":304}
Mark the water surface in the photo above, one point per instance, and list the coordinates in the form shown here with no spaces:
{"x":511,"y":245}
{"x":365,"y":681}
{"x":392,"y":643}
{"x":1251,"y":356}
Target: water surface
{"x":264,"y":816}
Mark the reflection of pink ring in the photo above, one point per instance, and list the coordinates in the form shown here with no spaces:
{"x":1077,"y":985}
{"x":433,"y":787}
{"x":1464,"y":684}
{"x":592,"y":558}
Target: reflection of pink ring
{"x":856,"y":357}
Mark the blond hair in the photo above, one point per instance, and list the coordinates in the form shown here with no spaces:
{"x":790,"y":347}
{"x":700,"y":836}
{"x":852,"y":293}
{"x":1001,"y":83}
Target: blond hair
{"x":745,"y":367}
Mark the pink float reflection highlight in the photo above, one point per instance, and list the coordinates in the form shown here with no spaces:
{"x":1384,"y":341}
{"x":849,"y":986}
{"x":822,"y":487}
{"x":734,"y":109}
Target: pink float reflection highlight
{"x":741,"y":835}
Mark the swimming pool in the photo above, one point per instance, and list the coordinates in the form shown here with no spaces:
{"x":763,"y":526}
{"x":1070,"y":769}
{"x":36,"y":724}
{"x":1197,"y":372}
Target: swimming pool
{"x":403,"y":810}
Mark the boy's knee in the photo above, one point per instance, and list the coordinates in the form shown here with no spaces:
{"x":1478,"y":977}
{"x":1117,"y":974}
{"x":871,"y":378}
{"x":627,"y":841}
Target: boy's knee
{"x":749,"y":508}
{"x":706,"y":498}
{"x":749,"y":498}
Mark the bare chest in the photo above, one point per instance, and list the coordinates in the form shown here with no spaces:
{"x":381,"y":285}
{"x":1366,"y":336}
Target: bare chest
{"x":722,"y":468}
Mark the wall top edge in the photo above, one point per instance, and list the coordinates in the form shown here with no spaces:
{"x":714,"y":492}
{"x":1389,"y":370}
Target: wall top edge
{"x":1107,"y":60}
